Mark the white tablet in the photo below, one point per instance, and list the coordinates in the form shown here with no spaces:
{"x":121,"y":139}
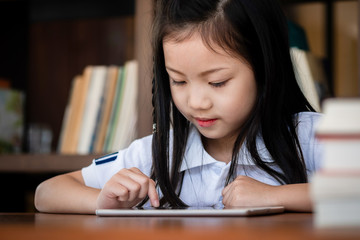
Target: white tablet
{"x":190,"y":212}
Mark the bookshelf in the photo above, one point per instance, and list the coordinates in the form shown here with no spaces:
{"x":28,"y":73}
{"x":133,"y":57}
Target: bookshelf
{"x":44,"y":163}
{"x":54,"y":41}
{"x":59,"y":38}
{"x":334,"y":15}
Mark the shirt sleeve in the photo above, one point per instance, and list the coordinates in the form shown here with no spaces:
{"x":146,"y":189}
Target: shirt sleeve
{"x":137,"y":155}
{"x":311,"y":148}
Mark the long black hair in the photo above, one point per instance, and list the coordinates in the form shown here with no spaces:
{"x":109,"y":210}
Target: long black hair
{"x":256,"y":31}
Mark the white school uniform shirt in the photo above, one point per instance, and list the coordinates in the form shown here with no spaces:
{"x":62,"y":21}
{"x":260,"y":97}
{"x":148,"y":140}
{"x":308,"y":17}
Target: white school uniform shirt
{"x":204,"y":177}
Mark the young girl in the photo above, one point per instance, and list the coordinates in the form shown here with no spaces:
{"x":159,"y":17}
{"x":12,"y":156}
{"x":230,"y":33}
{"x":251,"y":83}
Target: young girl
{"x":231,"y":126}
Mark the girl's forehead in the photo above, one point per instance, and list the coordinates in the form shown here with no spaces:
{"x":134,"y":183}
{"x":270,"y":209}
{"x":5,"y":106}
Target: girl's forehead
{"x":180,"y":37}
{"x":194,"y":41}
{"x":179,"y":34}
{"x":186,"y":35}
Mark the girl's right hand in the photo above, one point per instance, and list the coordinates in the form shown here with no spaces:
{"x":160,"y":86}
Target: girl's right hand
{"x":127,"y":188}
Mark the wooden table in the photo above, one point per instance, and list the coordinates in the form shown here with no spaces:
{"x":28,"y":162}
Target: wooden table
{"x":287,"y":226}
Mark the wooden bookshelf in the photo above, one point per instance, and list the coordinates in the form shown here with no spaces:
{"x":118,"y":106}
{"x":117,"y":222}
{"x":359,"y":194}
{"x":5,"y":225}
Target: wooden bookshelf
{"x":48,"y":43}
{"x":330,"y":37}
{"x":57,"y":45}
{"x":44,"y":163}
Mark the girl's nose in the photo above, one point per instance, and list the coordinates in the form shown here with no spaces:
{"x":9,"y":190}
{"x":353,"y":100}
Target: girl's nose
{"x":199,"y":99}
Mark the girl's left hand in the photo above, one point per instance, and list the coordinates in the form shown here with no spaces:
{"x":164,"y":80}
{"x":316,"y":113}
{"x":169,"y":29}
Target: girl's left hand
{"x":245,"y":192}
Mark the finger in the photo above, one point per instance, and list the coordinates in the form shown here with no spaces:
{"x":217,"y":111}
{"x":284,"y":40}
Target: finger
{"x":132,"y":187}
{"x":141,"y":179}
{"x":147,"y":185}
{"x":136,"y":170}
{"x":226,"y":189}
{"x":225,"y":198}
{"x":116,"y":191}
{"x":125,"y":179}
{"x":236,"y":181}
{"x":227,"y":194}
{"x":153,"y":196}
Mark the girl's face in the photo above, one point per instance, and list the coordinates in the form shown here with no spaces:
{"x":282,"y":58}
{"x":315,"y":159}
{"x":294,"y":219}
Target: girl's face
{"x":213,"y":90}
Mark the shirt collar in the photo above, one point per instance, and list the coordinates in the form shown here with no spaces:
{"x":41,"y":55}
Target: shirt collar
{"x":196,"y":156}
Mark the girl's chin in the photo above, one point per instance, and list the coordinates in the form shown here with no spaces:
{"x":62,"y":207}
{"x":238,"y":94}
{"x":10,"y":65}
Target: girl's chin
{"x":210,"y":134}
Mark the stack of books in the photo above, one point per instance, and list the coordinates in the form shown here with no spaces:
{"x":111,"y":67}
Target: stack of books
{"x":335,"y":188}
{"x":101,"y":114}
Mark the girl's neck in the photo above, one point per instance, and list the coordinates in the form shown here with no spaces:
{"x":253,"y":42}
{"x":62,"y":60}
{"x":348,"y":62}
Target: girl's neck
{"x":219,"y":149}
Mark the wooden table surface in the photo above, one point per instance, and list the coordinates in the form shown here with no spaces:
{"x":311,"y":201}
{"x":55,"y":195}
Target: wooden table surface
{"x":66,"y":226}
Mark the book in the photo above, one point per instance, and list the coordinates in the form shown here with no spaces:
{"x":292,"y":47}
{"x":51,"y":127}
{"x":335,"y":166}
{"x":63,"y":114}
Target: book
{"x":339,"y":131}
{"x":11,"y":120}
{"x":317,"y":68}
{"x":333,"y":213}
{"x":92,"y":104}
{"x":304,"y":77}
{"x":341,"y":154}
{"x":125,"y":131}
{"x":72,"y":119}
{"x":64,"y":126}
{"x":101,"y":114}
{"x":342,"y":118}
{"x":69,"y":116}
{"x":115,"y":108}
{"x":335,"y":187}
{"x":109,"y":95}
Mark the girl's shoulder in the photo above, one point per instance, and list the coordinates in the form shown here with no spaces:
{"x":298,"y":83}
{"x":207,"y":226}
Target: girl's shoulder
{"x":139,"y":151}
{"x":137,"y":154}
{"x":307,"y":119}
{"x":142,"y":143}
{"x":306,"y":124}
{"x":312,"y":149}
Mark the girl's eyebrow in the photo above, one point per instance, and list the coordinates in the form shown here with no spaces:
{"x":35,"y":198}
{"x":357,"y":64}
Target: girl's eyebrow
{"x":202,"y":74}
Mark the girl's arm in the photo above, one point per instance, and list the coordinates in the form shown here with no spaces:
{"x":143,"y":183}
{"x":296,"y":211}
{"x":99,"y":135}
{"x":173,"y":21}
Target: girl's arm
{"x":68,"y":193}
{"x":246,"y":191}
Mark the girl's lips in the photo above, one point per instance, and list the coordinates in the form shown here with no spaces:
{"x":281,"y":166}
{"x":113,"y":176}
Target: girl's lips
{"x":205,"y":122}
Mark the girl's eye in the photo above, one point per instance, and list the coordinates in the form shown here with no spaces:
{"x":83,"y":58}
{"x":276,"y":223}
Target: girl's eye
{"x":218,"y":84}
{"x":177,"y":82}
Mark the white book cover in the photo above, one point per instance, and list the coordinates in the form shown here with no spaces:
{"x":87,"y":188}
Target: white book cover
{"x":337,"y":213}
{"x":93,"y":100}
{"x":327,"y":185}
{"x":304,"y":77}
{"x":126,"y":130}
{"x":341,"y":118}
{"x":341,"y":155}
